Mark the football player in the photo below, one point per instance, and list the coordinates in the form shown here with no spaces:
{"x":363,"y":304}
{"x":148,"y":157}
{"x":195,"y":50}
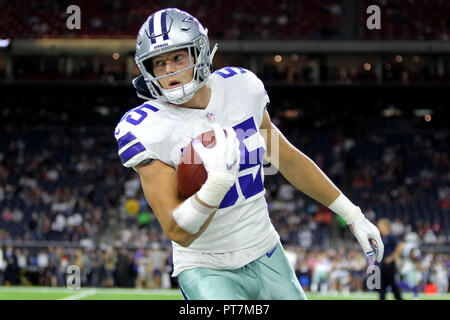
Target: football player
{"x":224,"y":244}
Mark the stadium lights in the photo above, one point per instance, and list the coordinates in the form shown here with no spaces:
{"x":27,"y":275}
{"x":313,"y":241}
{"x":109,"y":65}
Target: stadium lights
{"x":399,"y":58}
{"x":391,"y":111}
{"x":103,"y":110}
{"x":291,"y":114}
{"x":423,"y":113}
{"x":367,"y":66}
{"x":4,"y":43}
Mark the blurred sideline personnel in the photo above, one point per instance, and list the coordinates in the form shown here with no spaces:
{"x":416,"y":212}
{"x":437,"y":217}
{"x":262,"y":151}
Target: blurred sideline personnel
{"x":392,"y":251}
{"x":224,"y":244}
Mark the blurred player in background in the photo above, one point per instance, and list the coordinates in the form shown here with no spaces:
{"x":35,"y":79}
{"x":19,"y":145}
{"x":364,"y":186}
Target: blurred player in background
{"x":412,"y":271}
{"x":439,"y":273}
{"x":319,"y":277}
{"x":410,"y":268}
{"x":224,"y":244}
{"x":392,"y":251}
{"x":339,"y":275}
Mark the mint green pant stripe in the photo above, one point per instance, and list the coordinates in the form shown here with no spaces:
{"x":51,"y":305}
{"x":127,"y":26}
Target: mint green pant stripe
{"x":269,"y":277}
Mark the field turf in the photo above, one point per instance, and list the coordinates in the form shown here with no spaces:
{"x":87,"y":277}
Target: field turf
{"x":45,"y":293}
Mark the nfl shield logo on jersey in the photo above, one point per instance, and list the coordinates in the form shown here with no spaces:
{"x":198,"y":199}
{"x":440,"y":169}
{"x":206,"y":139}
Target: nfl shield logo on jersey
{"x":210,"y":116}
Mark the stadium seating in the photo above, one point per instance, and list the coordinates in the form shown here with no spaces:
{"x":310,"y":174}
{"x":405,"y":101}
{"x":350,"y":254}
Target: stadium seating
{"x":58,"y":175}
{"x":406,"y":20}
{"x":62,"y":183}
{"x":115,"y":18}
{"x":230,"y":20}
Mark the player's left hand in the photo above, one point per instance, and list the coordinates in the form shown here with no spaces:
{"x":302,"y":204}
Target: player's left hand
{"x":369,"y":239}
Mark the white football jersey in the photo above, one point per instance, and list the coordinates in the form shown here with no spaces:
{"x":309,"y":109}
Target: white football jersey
{"x":241,"y":230}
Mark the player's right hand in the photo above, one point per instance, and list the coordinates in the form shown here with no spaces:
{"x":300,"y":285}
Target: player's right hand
{"x":222,"y":160}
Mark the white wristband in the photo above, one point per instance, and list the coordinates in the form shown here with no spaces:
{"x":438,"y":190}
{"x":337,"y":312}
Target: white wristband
{"x":191,"y":215}
{"x":215,"y":188}
{"x":346,"y":209}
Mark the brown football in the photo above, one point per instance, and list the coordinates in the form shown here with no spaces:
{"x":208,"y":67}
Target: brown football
{"x":191,"y":174}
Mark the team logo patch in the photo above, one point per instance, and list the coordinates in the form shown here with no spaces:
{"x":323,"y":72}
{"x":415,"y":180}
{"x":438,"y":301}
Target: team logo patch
{"x":210,"y":116}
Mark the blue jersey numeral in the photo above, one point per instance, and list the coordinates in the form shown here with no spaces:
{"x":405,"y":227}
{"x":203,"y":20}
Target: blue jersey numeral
{"x":249,"y":186}
{"x":128,"y":117}
{"x":230,"y":71}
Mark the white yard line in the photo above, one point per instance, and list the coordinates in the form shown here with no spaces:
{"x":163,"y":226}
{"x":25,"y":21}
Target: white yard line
{"x":97,"y":290}
{"x":80,"y":295}
{"x":163,"y":292}
{"x":36,"y":289}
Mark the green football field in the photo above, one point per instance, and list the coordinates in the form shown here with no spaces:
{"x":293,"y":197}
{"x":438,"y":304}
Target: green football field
{"x":44,"y":293}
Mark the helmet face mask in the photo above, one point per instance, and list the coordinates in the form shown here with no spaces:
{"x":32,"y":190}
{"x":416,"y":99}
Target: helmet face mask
{"x":179,"y":30}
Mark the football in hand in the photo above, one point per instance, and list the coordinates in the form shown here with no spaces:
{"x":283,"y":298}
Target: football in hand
{"x":191,"y":174}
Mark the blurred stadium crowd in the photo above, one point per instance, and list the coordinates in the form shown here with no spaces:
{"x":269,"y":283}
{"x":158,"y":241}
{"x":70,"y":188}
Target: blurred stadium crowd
{"x":66,"y":199}
{"x":398,"y":69}
{"x":232,"y":19}
{"x":331,"y":271}
{"x":240,"y":20}
{"x":61,"y":181}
